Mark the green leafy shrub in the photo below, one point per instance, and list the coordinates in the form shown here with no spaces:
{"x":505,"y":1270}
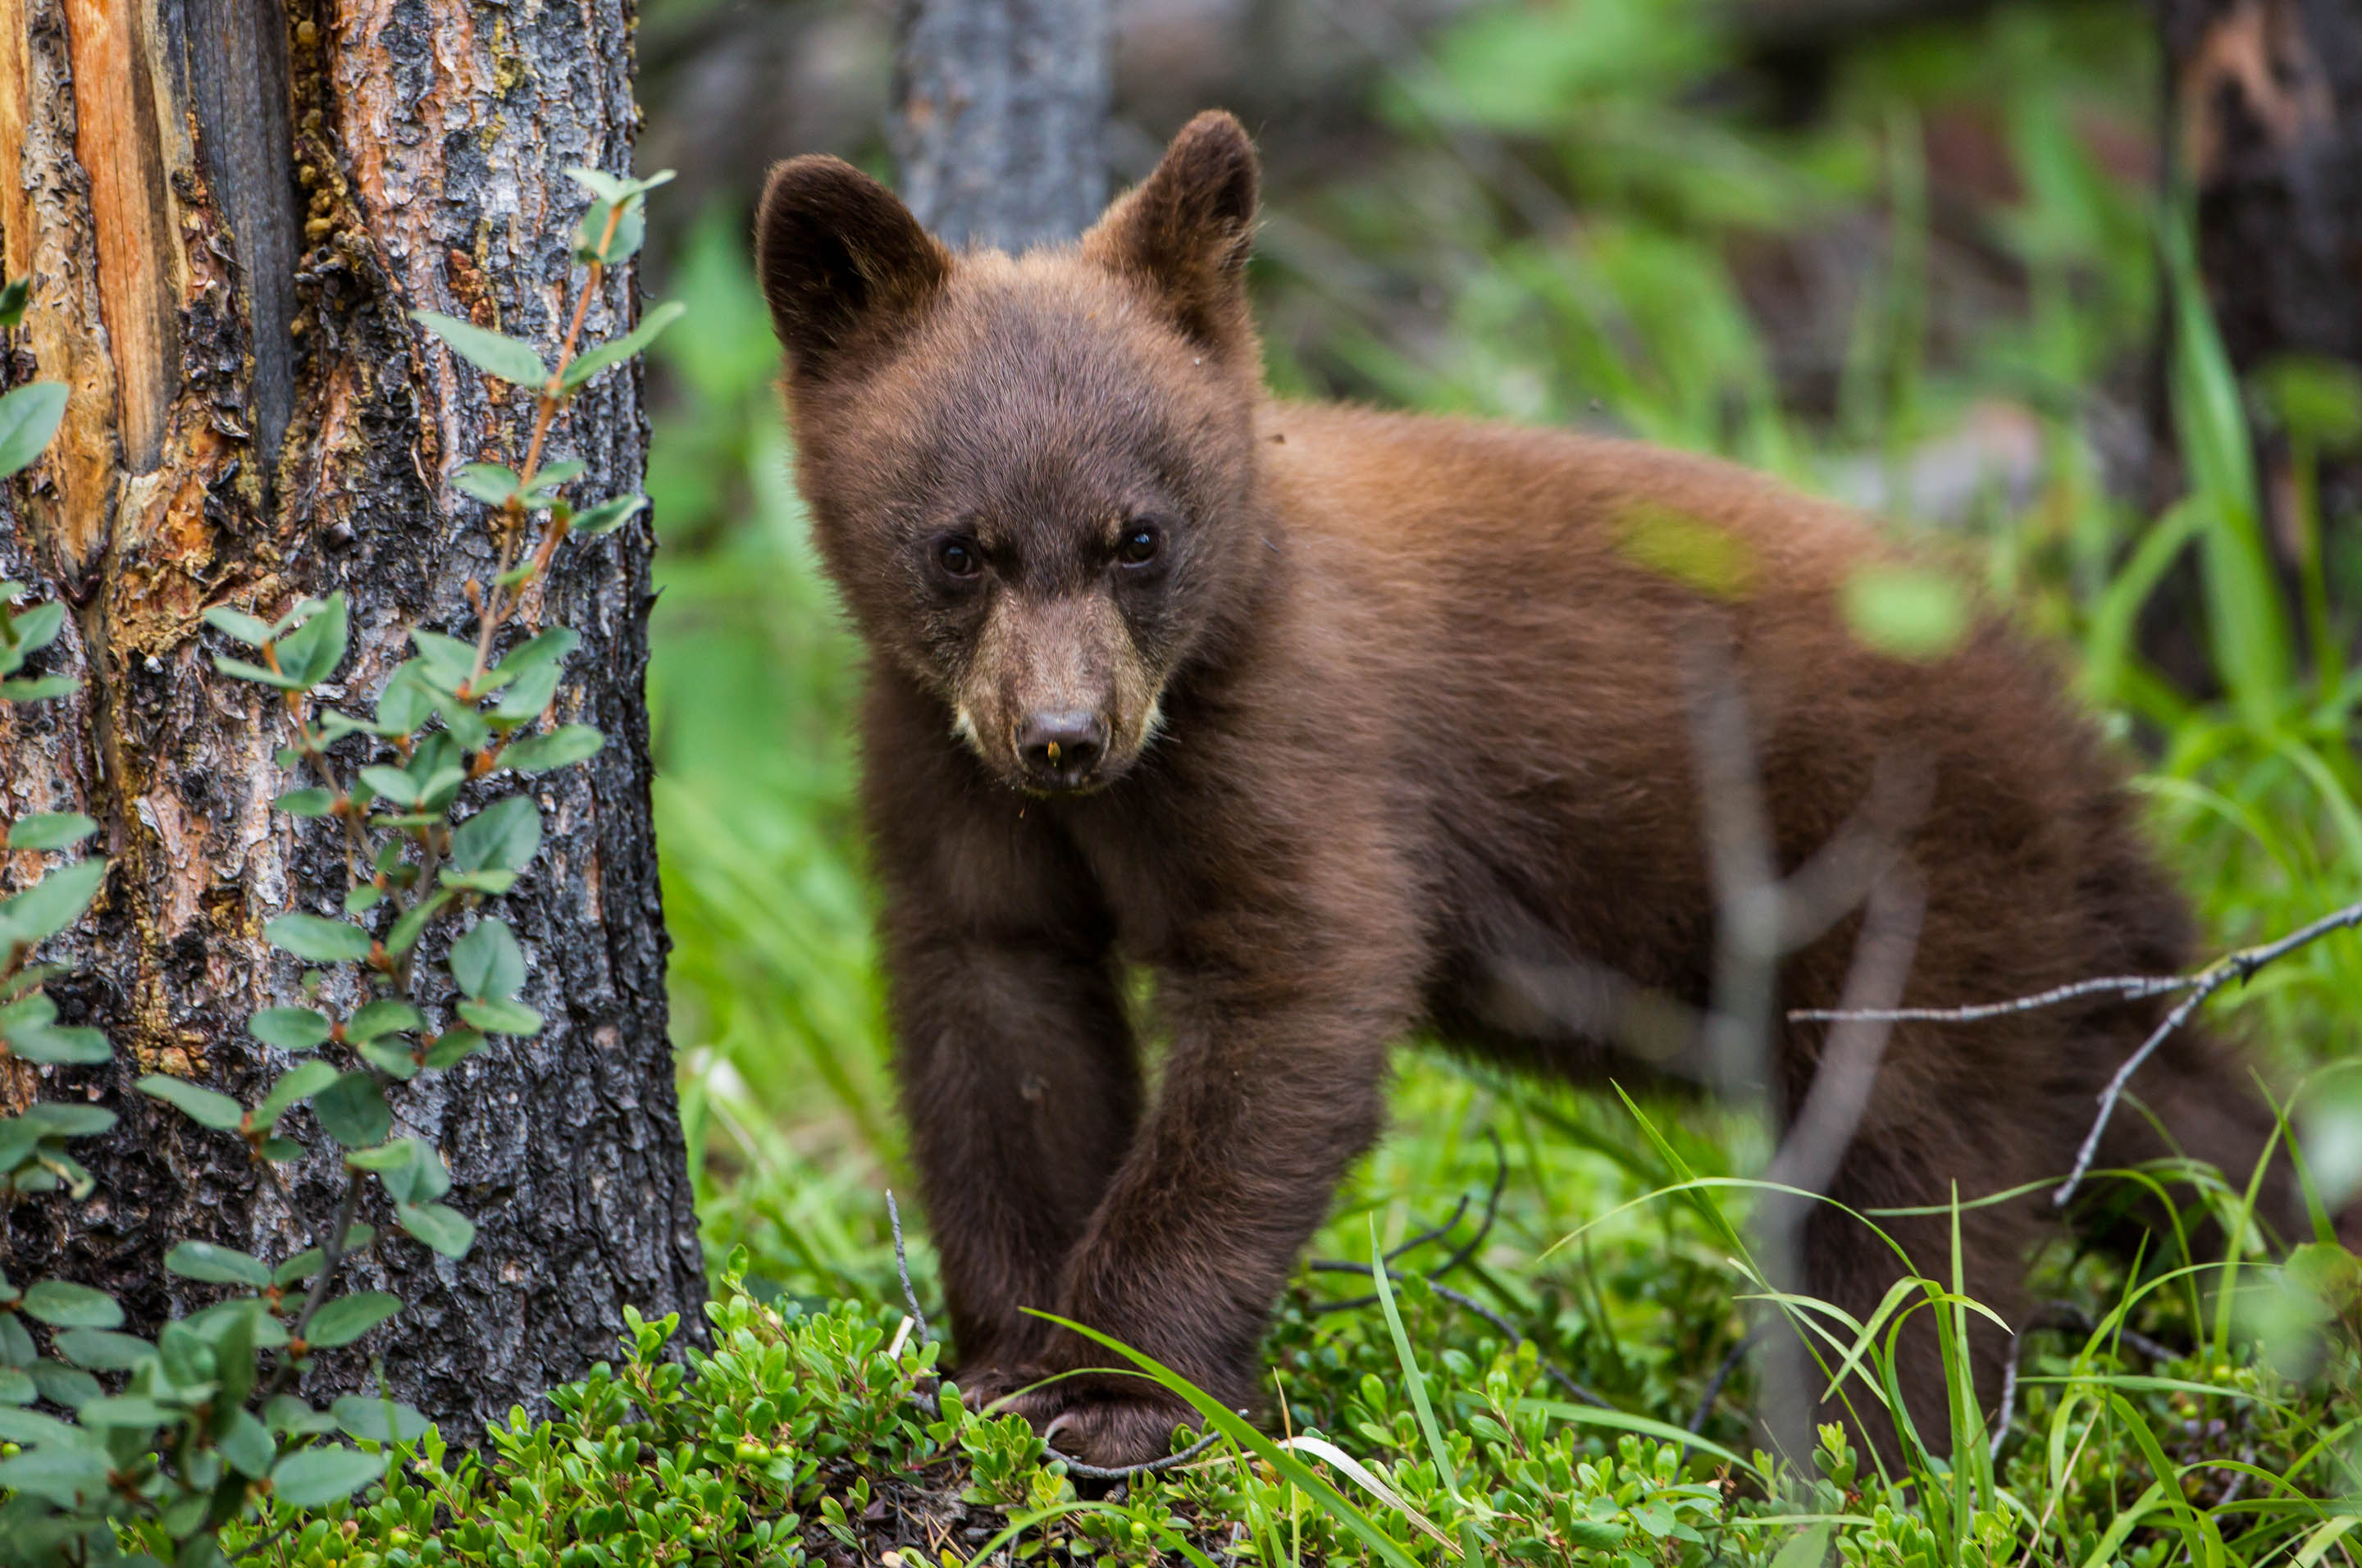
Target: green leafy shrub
{"x":203,"y":1425}
{"x":822,"y":1435}
{"x":800,"y":1434}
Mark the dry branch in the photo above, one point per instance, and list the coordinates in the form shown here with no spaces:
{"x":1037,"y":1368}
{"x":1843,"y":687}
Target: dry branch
{"x":2200,"y":984}
{"x":1460,"y":1254}
{"x":1760,"y":919}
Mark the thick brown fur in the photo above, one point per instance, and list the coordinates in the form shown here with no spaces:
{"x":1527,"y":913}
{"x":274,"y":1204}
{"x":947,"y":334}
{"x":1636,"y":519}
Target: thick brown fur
{"x":1381,"y":728}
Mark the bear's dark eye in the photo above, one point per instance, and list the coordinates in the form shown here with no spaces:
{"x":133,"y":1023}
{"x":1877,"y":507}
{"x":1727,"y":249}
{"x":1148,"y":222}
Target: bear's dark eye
{"x":1140,"y":544}
{"x":958,"y":557}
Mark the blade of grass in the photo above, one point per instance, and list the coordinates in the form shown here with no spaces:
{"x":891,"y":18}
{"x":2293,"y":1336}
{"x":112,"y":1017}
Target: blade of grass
{"x":2121,"y":1527}
{"x":2200,"y":1536}
{"x":2247,"y":624}
{"x":1413,"y":1379}
{"x":2108,"y":643}
{"x":1471,"y":1542}
{"x":1705,"y":1208}
{"x":1620,"y":1420}
{"x":1362,"y":1475}
{"x":1971,"y":1456}
{"x":2234,"y":1243}
{"x":2318,"y":1543}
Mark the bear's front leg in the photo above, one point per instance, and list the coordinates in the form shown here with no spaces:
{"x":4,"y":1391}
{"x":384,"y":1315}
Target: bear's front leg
{"x":1273,"y":1087}
{"x":1022,"y":1087}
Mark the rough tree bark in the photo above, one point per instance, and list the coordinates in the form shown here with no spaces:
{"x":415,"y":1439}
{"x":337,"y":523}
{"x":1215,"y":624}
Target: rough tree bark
{"x":1001,"y":118}
{"x":226,"y":208}
{"x":2265,"y":119}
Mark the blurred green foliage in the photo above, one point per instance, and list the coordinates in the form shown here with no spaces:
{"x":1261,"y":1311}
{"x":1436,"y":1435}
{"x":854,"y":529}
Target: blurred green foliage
{"x":1592,"y":212}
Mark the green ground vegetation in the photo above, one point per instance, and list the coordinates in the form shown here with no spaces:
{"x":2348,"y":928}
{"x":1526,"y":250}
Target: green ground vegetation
{"x":1566,"y":224}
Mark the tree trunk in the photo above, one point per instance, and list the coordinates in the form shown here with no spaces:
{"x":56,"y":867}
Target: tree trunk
{"x":1000,"y":124}
{"x":2268,"y":117}
{"x":2266,"y":122}
{"x":227,"y":208}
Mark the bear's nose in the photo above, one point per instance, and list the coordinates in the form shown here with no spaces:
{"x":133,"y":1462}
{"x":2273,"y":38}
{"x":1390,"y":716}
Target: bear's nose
{"x":1061,"y":749}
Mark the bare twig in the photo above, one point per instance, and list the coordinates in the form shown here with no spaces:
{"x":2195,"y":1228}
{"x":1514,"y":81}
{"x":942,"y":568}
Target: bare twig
{"x":1590,"y":999}
{"x":2008,"y":1396}
{"x":256,"y":1547}
{"x":332,"y":1257}
{"x":1823,"y":1125}
{"x":902,"y":1267}
{"x":2066,"y":1315}
{"x":1761,"y":918}
{"x":1459,"y":1256}
{"x":2200,"y":984}
{"x":2238,"y":1480}
{"x":1345,"y":1265}
{"x":1745,"y":879}
{"x":1823,"y":1128}
{"x":1746,"y":952}
{"x":2115,"y":1091}
{"x":1125,"y":1472}
{"x":1713,"y":1386}
{"x":1835,"y":879}
{"x":2231,"y":966}
{"x":548,"y":398}
{"x":2057,"y":1316}
{"x":1556,"y":1374}
{"x":2127,"y":986}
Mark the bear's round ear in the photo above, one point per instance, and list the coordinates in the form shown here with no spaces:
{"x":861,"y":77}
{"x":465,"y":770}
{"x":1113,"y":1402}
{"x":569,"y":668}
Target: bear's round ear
{"x":843,"y":263}
{"x":1186,"y":230}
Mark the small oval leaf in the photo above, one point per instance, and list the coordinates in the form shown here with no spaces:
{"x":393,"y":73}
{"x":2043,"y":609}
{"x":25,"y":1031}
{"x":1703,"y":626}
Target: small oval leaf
{"x":50,"y":830}
{"x":320,"y":939}
{"x":63,"y":1305}
{"x":289,"y":1028}
{"x":312,"y":1477}
{"x":216,"y":1266}
{"x":348,"y":1318}
{"x":202,"y":1106}
{"x":488,"y":351}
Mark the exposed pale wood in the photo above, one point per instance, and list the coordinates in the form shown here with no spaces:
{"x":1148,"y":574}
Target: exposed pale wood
{"x":44,"y":209}
{"x":15,"y":82}
{"x":117,"y":136}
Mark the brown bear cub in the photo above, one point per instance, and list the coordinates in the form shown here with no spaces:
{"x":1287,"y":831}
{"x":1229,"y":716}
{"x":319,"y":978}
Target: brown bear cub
{"x":1348,"y":725}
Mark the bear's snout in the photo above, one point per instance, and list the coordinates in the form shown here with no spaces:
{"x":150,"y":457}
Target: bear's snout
{"x":1061,"y":749}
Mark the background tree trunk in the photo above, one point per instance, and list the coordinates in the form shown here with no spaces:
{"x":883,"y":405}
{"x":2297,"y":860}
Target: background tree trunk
{"x":2267,"y":120}
{"x":228,"y":207}
{"x":2263,"y":117}
{"x":1001,"y":118}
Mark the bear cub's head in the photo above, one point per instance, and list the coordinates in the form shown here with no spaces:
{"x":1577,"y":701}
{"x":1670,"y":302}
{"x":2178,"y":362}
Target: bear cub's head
{"x":1029,"y":477}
